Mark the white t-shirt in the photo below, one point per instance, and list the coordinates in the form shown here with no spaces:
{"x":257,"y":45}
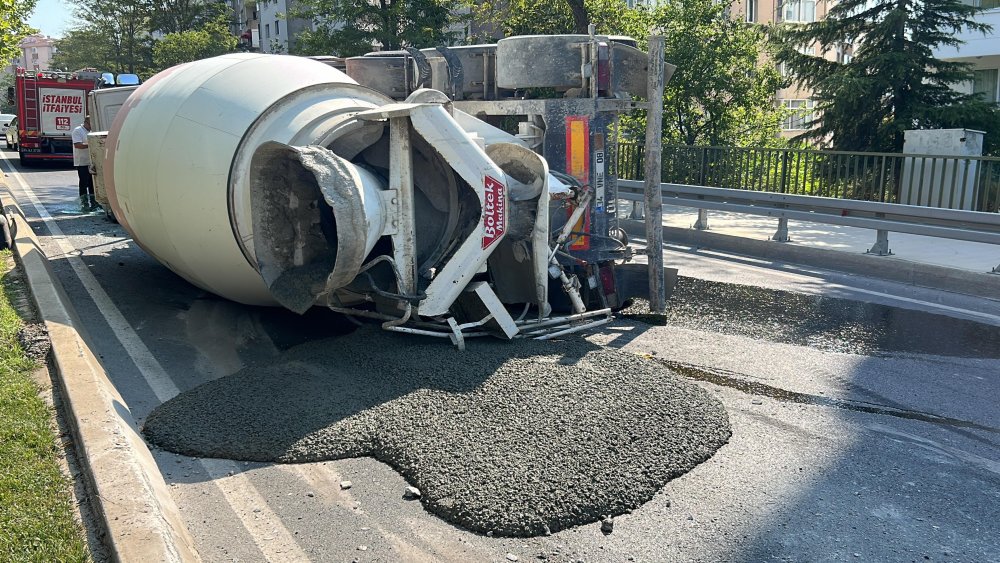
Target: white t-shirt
{"x":81,"y":157}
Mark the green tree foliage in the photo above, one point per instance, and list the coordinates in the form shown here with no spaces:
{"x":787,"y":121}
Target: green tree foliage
{"x":116,"y":35}
{"x":7,"y":81}
{"x":211,"y":40}
{"x":14,"y":26}
{"x":175,"y":16}
{"x":124,"y":25}
{"x":358,"y":24}
{"x":531,"y":17}
{"x":85,"y":47}
{"x":723,"y":90}
{"x":893,"y":82}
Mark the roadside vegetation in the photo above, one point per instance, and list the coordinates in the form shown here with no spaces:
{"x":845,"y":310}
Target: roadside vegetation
{"x":36,"y":513}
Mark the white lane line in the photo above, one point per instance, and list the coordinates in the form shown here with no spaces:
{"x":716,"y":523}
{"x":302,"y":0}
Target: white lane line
{"x":994,"y":319}
{"x":264,"y":526}
{"x":811,"y":274}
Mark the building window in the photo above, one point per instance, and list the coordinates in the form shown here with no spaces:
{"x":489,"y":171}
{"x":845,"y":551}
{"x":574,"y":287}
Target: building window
{"x":267,"y":31}
{"x":984,"y":82}
{"x":751,"y":11}
{"x":799,"y":11}
{"x":277,"y":30}
{"x":801,"y":114}
{"x":844,"y":55}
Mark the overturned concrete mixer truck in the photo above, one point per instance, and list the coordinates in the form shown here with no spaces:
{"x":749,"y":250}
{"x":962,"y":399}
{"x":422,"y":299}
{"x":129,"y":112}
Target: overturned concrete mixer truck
{"x":398,"y":191}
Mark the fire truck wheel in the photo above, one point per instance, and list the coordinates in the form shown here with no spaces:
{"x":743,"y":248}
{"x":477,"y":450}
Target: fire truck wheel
{"x":25,"y":163}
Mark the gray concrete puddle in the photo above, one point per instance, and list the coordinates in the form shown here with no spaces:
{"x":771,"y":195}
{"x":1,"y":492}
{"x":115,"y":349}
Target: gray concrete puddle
{"x":827,"y":323}
{"x":516,"y":438}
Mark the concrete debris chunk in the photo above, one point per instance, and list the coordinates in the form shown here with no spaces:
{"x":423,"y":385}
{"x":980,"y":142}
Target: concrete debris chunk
{"x":411,"y":493}
{"x":511,"y":557}
{"x":607,"y":525}
{"x":344,"y":485}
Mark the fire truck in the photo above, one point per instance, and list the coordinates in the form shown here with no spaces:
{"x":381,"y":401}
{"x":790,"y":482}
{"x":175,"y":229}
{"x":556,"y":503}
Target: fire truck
{"x":49,"y":106}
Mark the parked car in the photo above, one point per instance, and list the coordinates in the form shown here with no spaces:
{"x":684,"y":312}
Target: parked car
{"x":5,"y":119}
{"x":10,"y":133}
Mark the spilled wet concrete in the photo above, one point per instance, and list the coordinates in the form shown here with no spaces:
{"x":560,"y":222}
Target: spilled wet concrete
{"x":826,"y":323}
{"x":514,"y":438}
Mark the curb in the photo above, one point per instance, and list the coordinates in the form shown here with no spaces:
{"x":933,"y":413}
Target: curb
{"x":975,"y":284}
{"x":139,"y":518}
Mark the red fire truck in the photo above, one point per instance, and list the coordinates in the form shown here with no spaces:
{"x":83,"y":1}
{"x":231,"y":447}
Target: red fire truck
{"x":49,"y":106}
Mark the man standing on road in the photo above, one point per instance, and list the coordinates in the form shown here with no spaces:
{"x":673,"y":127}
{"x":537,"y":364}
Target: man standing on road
{"x":81,"y":160}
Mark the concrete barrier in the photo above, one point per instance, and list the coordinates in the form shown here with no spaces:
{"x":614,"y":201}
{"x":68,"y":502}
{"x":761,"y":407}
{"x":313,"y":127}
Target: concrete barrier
{"x":139,"y":518}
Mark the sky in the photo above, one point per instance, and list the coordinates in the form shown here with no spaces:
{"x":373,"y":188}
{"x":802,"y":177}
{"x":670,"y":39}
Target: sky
{"x":52,"y":17}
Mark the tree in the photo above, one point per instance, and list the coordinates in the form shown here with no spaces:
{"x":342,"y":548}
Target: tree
{"x":722,"y":92}
{"x":7,"y":105}
{"x":124,"y":26}
{"x":175,"y":16}
{"x":893,"y":82}
{"x":361,"y":24}
{"x":14,"y":26}
{"x":543,"y":17}
{"x":211,"y":40}
{"x":83,"y":48}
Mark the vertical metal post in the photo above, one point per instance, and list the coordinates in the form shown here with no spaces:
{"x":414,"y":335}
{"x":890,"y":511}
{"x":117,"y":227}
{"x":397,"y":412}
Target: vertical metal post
{"x":784,"y":171}
{"x":881,"y":246}
{"x":704,"y":166}
{"x":401,"y":181}
{"x":781,"y":235}
{"x":701,"y":224}
{"x":654,"y":199}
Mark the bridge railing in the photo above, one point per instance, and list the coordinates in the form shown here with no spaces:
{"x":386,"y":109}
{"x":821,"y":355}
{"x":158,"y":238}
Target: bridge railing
{"x":950,"y":182}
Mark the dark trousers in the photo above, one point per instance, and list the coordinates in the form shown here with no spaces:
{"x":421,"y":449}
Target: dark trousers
{"x":86,"y":180}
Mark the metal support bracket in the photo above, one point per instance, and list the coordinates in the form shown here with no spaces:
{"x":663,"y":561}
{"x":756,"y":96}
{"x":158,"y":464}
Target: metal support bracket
{"x":881,"y":246}
{"x":702,"y":223}
{"x":401,"y":183}
{"x":781,"y":235}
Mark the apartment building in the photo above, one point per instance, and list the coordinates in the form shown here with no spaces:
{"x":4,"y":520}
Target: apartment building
{"x":275,"y":28}
{"x":245,"y":24}
{"x":980,"y":50}
{"x":36,"y":53}
{"x":795,"y":97}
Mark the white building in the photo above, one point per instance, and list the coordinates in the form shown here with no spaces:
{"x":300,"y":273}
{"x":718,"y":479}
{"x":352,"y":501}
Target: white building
{"x":982,"y":51}
{"x":275,"y":28}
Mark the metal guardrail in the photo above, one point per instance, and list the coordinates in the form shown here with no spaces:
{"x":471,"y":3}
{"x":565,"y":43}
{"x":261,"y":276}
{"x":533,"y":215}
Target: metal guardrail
{"x":882,"y":217}
{"x":954,"y":182}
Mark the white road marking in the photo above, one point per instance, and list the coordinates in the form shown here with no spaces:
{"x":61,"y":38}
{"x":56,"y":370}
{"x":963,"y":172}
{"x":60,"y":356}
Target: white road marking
{"x":806,"y":272}
{"x":264,"y":526}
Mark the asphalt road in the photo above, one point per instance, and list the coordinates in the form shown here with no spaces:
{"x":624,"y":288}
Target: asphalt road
{"x":880,"y":453}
